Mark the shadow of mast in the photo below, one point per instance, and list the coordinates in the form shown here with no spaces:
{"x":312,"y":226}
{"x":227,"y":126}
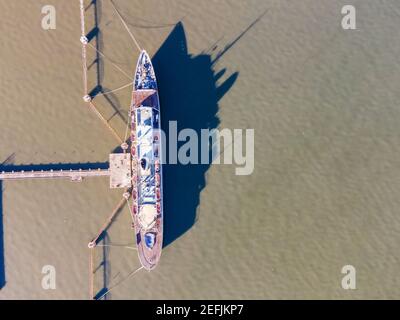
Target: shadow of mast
{"x":241,"y":35}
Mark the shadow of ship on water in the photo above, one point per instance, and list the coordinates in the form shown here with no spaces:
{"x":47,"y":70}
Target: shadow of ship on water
{"x":189,"y":95}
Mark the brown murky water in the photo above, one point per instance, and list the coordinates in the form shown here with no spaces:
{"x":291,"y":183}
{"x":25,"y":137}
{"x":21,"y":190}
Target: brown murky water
{"x":325,"y":189}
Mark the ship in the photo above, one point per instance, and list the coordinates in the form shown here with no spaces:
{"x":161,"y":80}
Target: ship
{"x":146,"y":148}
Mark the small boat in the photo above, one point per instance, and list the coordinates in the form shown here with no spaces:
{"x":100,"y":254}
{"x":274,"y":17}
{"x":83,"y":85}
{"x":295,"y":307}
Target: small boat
{"x":147,"y":211}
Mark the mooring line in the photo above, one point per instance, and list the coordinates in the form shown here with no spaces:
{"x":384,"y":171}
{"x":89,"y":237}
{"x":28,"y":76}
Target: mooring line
{"x":118,"y":283}
{"x":110,"y":245}
{"x":97,"y":112}
{"x":114,"y":90}
{"x":125,"y":25}
{"x":115,"y":65}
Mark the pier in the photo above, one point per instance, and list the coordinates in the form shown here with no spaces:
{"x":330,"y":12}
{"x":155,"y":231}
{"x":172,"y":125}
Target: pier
{"x":119,"y":172}
{"x":74,"y":175}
